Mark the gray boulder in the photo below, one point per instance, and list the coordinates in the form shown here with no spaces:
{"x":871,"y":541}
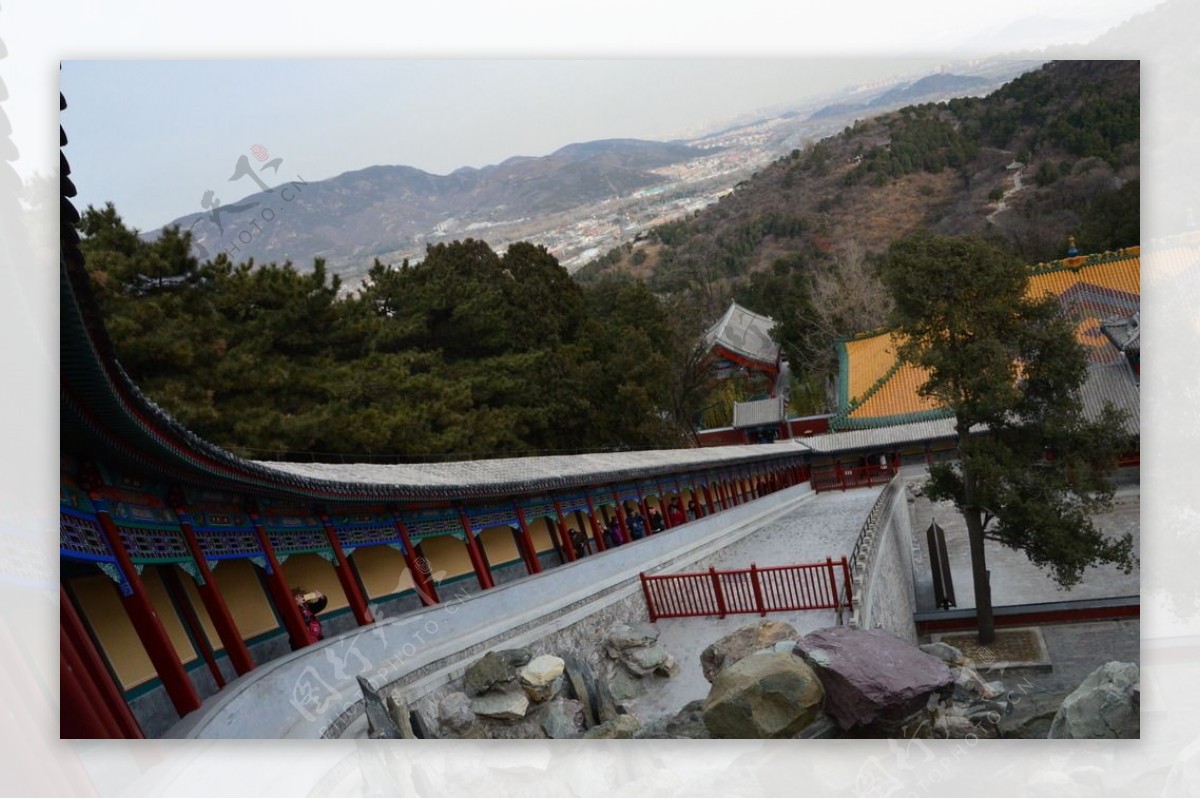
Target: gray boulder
{"x":494,"y":668}
{"x":687,"y":723}
{"x":764,"y":695}
{"x":561,"y":718}
{"x":653,"y":659}
{"x":742,"y":642}
{"x":874,"y":681}
{"x":623,"y":686}
{"x":504,"y":705}
{"x":455,"y":714}
{"x":380,"y":723}
{"x":627,"y":636}
{"x":623,"y":726}
{"x":1105,"y":705}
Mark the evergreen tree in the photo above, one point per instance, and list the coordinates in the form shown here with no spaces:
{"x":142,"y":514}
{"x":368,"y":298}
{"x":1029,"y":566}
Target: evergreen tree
{"x":1011,"y":369}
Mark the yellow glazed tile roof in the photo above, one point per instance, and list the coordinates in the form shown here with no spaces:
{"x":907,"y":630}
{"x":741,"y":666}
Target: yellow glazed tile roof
{"x":1090,"y":292}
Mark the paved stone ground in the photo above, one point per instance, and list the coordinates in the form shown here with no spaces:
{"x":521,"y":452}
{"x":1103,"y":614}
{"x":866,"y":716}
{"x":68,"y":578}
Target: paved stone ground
{"x":826,"y":526}
{"x":1014,"y":579}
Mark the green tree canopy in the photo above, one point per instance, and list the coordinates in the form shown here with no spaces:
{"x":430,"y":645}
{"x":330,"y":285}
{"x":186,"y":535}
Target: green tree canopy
{"x":1033,"y":469}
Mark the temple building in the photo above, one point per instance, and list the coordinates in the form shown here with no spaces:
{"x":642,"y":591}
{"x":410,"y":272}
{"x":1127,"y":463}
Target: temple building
{"x":881,"y":417}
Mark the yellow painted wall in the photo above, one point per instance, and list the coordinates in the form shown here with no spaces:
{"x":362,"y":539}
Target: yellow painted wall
{"x":313,"y":573}
{"x":246,"y":597}
{"x":193,"y":593}
{"x":101,"y":606}
{"x":539,"y":531}
{"x":383,"y":571}
{"x":447,"y":553}
{"x":499,"y":545}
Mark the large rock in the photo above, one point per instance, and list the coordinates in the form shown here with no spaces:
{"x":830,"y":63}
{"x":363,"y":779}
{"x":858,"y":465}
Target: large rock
{"x":581,"y":685}
{"x":873,"y":681}
{"x":687,"y":723}
{"x":622,"y":685}
{"x":380,"y":723}
{"x":494,"y":668}
{"x":627,"y":636}
{"x":622,"y":726}
{"x":504,"y":705}
{"x":542,"y":677}
{"x":1105,"y":705}
{"x":742,"y":642}
{"x":455,"y":714}
{"x":764,"y":695}
{"x":653,"y":659}
{"x":562,"y":718}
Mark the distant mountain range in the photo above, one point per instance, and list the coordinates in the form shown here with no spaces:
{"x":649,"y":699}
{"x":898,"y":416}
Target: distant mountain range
{"x":922,"y":90}
{"x":579,"y":201}
{"x":384,"y":209}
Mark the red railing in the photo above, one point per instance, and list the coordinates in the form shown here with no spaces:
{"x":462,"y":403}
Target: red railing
{"x":802,"y":586}
{"x":841,"y":478}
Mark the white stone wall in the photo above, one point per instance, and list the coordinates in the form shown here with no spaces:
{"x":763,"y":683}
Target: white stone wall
{"x":886,"y":597}
{"x":892,"y":599}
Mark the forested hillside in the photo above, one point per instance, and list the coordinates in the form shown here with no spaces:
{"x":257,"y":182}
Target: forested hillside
{"x":467,"y":354}
{"x":1053,"y":154}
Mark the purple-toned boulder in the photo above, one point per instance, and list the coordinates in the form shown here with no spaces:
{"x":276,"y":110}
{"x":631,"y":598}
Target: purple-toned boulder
{"x":873,"y":680}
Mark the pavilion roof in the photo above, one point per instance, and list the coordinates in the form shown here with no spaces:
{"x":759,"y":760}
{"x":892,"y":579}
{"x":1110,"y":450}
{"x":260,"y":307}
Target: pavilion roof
{"x":744,"y":333}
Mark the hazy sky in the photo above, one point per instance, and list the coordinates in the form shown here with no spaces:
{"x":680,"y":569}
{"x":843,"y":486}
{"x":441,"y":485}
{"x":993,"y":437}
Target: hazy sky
{"x":154,"y":135}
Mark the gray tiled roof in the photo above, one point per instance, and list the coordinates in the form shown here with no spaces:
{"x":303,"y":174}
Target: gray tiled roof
{"x":880,"y":437}
{"x":517,"y":475}
{"x":1113,"y":383}
{"x":758,"y":412}
{"x":746,"y":333}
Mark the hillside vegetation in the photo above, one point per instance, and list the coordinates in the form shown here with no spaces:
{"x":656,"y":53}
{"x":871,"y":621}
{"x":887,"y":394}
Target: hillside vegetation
{"x":472,"y":354}
{"x":467,"y":354}
{"x":1053,"y":154}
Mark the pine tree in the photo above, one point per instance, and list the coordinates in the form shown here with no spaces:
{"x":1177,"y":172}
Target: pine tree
{"x":1011,"y":369}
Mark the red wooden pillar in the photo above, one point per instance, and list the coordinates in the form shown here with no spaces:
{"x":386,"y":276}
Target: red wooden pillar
{"x":102,"y":691}
{"x":87,"y":716}
{"x":281,"y":592}
{"x":664,"y":505}
{"x":145,"y":620}
{"x":597,"y":533}
{"x":214,"y":601}
{"x":708,"y":498}
{"x":568,"y":546}
{"x":645,"y":511}
{"x":620,"y":511}
{"x":417,"y":567}
{"x":191,"y":622}
{"x":482,"y":573}
{"x":345,"y":573}
{"x":532,"y":564}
